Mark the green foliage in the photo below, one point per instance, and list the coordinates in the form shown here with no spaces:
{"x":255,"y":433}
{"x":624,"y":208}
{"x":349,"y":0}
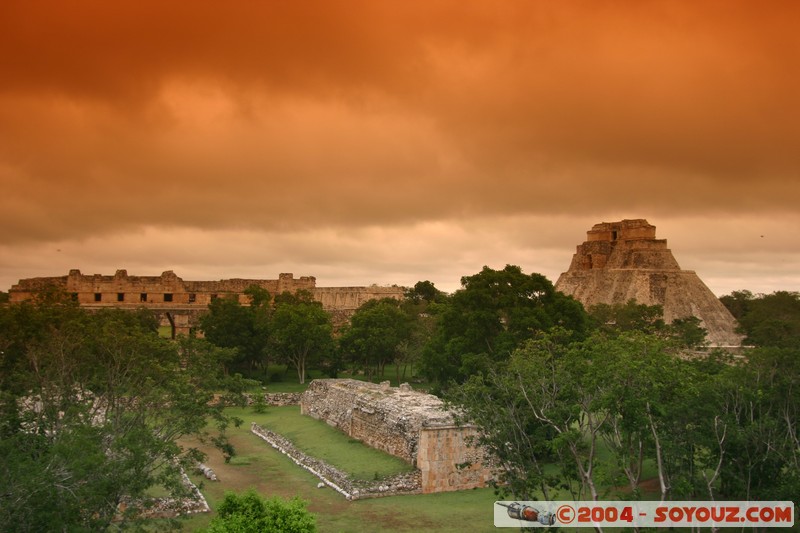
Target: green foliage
{"x":767,"y":320}
{"x":630,"y":316}
{"x":425,"y":291}
{"x":259,"y":297}
{"x":91,"y":410}
{"x":737,"y":302}
{"x":229,"y":324}
{"x":493,"y":314}
{"x":616,"y":319}
{"x":713,"y":427}
{"x":759,"y":408}
{"x":302,"y":332}
{"x":250,"y":513}
{"x":687,"y":332}
{"x":375,"y":335}
{"x":259,"y":405}
{"x":301,"y":296}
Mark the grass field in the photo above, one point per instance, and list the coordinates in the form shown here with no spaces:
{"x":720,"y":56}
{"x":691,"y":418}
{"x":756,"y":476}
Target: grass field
{"x":257,"y":465}
{"x":318,"y":439}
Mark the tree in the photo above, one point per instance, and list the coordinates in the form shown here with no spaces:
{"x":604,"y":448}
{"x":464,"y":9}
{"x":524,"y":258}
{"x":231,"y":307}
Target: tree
{"x":651,"y":399}
{"x":631,"y":316}
{"x":424,"y":291}
{"x":616,"y":319}
{"x":301,"y":332}
{"x":250,"y":513}
{"x":759,"y":410}
{"x":549,"y":399}
{"x":687,"y":333}
{"x":737,"y":302}
{"x":767,"y":320}
{"x":519,"y":441}
{"x":93,"y":414}
{"x":375,"y":335}
{"x":568,"y":396}
{"x":229,"y":324}
{"x":493,"y":313}
{"x":420,"y":305}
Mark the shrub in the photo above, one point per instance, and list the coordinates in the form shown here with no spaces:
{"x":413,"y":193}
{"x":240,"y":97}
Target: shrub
{"x":250,"y":513}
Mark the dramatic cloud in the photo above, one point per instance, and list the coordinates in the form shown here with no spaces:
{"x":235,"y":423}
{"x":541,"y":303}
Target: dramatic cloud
{"x":390,"y":142}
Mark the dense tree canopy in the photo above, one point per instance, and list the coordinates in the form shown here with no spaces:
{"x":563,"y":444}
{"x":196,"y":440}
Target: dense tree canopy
{"x":425,"y":291}
{"x":376,"y":335}
{"x":767,"y":319}
{"x":713,"y":427}
{"x":616,"y":319}
{"x":490,"y":316}
{"x":630,"y":316}
{"x":91,"y":407}
{"x":302,"y":333}
{"x":229,"y":324}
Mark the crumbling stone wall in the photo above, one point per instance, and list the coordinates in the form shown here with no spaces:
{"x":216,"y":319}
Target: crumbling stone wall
{"x":179,"y":303}
{"x":402,"y":422}
{"x":636,"y":229}
{"x":169,"y":507}
{"x":448,"y":460}
{"x":342,"y":302}
{"x":166,"y":290}
{"x":275,"y":399}
{"x":282,"y":399}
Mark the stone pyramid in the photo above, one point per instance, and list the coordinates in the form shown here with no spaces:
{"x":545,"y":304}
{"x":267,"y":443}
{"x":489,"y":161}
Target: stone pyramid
{"x":622,"y":261}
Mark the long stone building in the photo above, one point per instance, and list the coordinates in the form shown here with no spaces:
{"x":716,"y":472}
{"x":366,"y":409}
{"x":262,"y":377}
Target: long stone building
{"x":622,"y":261}
{"x":179,"y":303}
{"x":408,"y":424}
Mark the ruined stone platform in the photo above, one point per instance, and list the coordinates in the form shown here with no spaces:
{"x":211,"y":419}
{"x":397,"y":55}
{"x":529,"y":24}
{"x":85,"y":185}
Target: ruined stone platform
{"x":405,"y":423}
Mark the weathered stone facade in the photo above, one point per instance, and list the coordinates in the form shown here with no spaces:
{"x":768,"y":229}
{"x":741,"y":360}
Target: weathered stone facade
{"x":405,"y":423}
{"x":622,"y":261}
{"x":179,"y":303}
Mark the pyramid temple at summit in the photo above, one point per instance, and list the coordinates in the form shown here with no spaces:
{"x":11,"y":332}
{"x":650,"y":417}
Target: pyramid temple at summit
{"x":623,"y":261}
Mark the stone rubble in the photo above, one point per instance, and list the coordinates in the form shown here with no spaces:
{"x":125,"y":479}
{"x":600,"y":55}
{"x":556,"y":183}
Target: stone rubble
{"x":207,"y":472}
{"x":169,"y":507}
{"x":281,"y":399}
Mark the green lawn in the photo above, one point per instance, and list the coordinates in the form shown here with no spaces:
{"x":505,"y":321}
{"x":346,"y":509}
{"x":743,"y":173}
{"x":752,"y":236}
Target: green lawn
{"x":257,"y":465}
{"x":318,"y":439}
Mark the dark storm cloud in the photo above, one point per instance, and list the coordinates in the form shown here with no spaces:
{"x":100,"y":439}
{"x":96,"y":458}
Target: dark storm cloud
{"x":375,"y":118}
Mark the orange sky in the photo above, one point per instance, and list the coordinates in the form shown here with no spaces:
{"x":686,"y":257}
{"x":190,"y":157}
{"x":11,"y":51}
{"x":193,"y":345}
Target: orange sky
{"x":393,"y":141}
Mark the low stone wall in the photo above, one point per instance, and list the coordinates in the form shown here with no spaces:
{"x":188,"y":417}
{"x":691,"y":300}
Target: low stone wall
{"x":276,"y":399}
{"x":409,"y":483}
{"x":169,"y":507}
{"x":281,"y":399}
